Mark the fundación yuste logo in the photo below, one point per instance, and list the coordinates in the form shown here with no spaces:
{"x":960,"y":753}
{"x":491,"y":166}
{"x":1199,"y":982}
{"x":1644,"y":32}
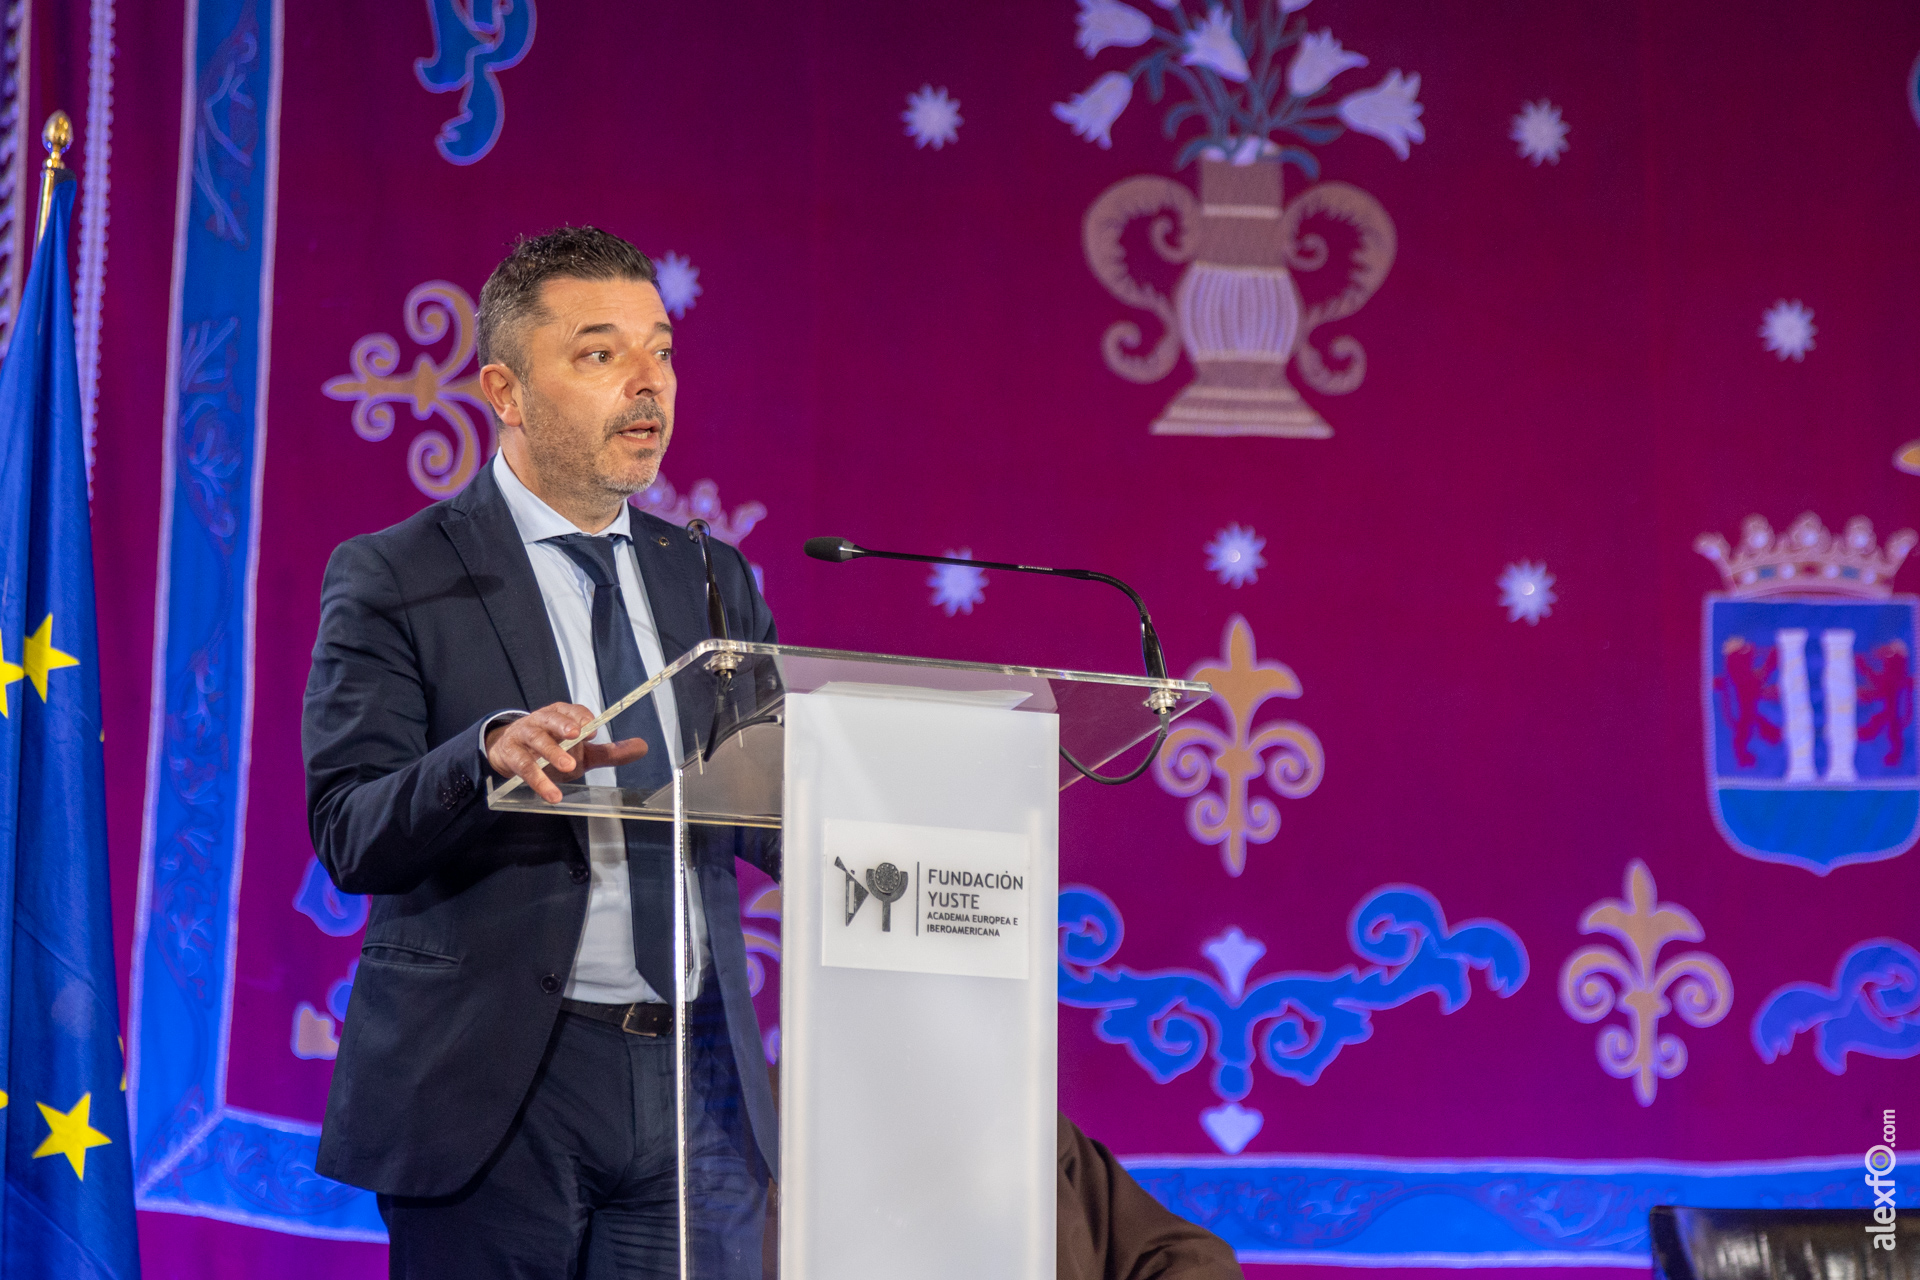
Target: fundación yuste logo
{"x":950,"y":908}
{"x":954,"y":901}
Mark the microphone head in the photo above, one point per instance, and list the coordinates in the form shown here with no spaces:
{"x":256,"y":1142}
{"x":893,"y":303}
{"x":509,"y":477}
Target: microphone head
{"x":831,"y":549}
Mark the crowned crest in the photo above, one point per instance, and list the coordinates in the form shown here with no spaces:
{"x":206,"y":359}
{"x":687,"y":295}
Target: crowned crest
{"x":1807,"y":559}
{"x":1807,"y":655}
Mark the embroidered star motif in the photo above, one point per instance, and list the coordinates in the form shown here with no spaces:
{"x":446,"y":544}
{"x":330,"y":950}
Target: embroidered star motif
{"x":70,"y":1133}
{"x":41,"y":657}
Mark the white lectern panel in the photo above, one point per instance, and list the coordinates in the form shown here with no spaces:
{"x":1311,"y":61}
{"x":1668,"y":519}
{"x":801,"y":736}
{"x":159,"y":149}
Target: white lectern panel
{"x":917,"y":1131}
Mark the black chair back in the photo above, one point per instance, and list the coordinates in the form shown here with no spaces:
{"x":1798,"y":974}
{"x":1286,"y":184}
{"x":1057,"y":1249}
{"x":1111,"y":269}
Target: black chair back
{"x":1780,"y":1244}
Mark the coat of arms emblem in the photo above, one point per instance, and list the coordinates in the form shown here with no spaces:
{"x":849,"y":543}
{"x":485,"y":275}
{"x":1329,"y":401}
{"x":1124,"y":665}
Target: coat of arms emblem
{"x":1812,"y":756}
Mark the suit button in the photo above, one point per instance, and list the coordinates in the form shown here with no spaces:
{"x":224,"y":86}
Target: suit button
{"x":550,"y":983}
{"x":578,"y":872}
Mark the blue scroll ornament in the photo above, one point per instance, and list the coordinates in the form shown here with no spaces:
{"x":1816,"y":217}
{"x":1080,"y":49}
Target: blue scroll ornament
{"x":1873,"y":1007}
{"x":1301,"y":1021}
{"x":340,"y":992}
{"x":336,"y":914}
{"x":473,"y":41}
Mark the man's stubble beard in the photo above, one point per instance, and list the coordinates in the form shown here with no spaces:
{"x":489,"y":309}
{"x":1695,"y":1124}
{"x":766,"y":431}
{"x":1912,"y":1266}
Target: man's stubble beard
{"x":567,"y":456}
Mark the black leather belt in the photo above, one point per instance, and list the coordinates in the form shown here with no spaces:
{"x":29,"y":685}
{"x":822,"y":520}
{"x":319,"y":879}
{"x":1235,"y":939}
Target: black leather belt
{"x":634,"y":1019}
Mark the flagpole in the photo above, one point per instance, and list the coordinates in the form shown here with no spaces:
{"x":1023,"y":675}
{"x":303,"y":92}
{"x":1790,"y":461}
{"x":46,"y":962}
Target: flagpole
{"x":58,"y":136}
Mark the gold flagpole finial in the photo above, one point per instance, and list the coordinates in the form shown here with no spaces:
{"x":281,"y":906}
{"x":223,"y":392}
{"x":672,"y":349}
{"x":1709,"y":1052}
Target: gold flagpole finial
{"x":58,"y":136}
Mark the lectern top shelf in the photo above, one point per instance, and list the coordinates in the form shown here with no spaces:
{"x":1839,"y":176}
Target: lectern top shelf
{"x":722,"y":705}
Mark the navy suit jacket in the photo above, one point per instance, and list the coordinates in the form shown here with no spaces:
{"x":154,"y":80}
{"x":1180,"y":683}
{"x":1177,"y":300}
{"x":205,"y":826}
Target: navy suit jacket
{"x":426,"y":629}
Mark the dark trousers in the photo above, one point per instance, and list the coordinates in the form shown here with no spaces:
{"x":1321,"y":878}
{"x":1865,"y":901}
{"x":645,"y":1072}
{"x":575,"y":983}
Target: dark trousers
{"x":585,"y":1185}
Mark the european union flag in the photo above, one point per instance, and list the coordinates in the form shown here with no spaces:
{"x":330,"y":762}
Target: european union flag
{"x":69,"y":1171}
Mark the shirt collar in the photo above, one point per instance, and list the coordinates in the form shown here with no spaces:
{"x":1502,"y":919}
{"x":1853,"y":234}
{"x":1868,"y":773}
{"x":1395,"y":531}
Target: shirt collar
{"x":537,"y":521}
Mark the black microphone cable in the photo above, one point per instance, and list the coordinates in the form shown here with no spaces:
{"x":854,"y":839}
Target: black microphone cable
{"x":1160,"y":701}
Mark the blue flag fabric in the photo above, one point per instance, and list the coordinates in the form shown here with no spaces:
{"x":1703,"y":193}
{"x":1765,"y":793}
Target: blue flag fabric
{"x":69,"y":1169}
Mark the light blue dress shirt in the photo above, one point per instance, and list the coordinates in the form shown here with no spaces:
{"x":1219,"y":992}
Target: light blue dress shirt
{"x":603,"y":967}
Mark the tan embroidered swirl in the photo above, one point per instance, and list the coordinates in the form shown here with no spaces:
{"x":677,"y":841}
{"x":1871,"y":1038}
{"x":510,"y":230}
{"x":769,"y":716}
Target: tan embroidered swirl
{"x":1367,"y":266}
{"x":439,"y":465}
{"x":1106,"y":221}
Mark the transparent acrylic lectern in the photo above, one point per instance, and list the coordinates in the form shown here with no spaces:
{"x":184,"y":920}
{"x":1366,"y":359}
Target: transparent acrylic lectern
{"x":910,"y":809}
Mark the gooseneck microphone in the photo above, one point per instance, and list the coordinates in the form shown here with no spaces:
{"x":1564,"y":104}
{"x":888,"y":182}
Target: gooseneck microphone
{"x":722,"y":665}
{"x":698,"y":531}
{"x":838,"y":550}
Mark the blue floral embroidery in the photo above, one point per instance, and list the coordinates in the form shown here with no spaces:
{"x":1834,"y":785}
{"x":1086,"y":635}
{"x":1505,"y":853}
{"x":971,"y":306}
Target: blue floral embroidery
{"x":1300,"y":1021}
{"x":336,"y":914}
{"x":1873,"y":1008}
{"x":472,"y":42}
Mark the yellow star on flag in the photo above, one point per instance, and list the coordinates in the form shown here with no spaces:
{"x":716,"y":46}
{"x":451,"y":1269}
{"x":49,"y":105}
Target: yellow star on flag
{"x":9,"y":674}
{"x":41,"y":657}
{"x":70,"y":1134}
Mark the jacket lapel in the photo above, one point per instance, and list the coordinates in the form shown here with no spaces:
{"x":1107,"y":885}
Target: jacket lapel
{"x":488,"y":542}
{"x":675,"y":583}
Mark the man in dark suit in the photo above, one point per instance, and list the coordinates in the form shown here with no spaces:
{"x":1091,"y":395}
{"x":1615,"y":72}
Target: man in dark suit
{"x":506,"y":1073}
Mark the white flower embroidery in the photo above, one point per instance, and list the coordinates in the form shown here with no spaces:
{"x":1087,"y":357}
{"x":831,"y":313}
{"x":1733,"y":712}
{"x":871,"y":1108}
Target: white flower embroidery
{"x":1108,"y":24}
{"x":1251,"y":148}
{"x":1788,"y":329}
{"x":1092,"y":113}
{"x":1293,"y":6}
{"x":1234,"y":554}
{"x":1319,"y":60}
{"x":958,"y":587}
{"x":1211,"y":44}
{"x":932,"y":117}
{"x":1540,"y":131}
{"x":1526,"y":590}
{"x":678,"y":282}
{"x":1387,"y":111}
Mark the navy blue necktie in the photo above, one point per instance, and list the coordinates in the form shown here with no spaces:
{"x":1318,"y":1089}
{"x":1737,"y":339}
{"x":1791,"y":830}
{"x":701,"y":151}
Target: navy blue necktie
{"x":617,"y":656}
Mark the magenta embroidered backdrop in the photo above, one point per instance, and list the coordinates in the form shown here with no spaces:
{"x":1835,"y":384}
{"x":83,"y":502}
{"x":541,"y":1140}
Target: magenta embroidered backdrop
{"x":1345,"y":963}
